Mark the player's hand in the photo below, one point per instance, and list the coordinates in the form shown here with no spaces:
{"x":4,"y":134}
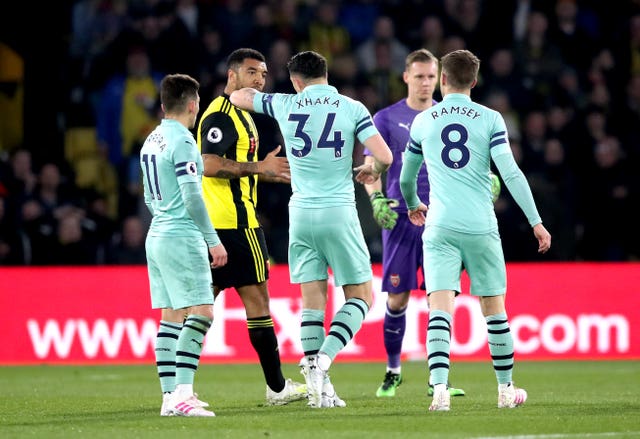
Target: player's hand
{"x":276,"y":167}
{"x":383,"y":213}
{"x":496,"y":187}
{"x":543,"y":237}
{"x":418,"y":215}
{"x":218,"y":256}
{"x":366,"y":173}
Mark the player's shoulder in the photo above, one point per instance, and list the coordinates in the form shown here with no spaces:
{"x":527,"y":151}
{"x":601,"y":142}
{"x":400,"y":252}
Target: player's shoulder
{"x":356,"y":108}
{"x":187,"y":138}
{"x":277,"y":95}
{"x":348,"y":100}
{"x":179,"y":138}
{"x":218,"y":113}
{"x":490,"y":118}
{"x":480,"y":107}
{"x":284,"y":101}
{"x":392,"y":109}
{"x":220,"y":104}
{"x":424,"y":114}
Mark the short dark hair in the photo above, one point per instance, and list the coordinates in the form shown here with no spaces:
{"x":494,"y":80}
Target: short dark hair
{"x":236,"y":57}
{"x":309,"y":65}
{"x":461,"y":68}
{"x":420,"y":55}
{"x":177,"y":90}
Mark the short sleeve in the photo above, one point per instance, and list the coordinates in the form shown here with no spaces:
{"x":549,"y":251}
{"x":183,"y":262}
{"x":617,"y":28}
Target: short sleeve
{"x":364,"y":123}
{"x":263,"y":103}
{"x":218,"y":134}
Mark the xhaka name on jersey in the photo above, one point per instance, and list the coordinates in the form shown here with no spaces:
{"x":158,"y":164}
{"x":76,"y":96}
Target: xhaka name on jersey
{"x":318,"y":101}
{"x":460,"y":111}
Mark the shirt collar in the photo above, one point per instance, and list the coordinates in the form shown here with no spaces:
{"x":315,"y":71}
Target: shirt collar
{"x":457,"y":96}
{"x":320,"y":87}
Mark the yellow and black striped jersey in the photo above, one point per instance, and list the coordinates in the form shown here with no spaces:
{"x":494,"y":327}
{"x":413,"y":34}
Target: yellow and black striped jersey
{"x":229,"y":132}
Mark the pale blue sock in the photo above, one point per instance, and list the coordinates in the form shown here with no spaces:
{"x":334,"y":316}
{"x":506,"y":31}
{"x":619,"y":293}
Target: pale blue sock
{"x":439,"y":346}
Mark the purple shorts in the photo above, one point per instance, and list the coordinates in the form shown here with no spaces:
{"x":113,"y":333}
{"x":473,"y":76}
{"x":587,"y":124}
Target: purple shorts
{"x":402,"y":256}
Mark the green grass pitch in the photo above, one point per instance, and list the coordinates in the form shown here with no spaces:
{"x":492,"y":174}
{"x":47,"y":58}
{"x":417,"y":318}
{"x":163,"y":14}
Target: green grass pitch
{"x":566,"y":400}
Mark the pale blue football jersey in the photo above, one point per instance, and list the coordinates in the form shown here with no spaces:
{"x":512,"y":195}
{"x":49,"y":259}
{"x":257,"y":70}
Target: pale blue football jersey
{"x":319,"y":127}
{"x":168,"y":158}
{"x":458,"y":138}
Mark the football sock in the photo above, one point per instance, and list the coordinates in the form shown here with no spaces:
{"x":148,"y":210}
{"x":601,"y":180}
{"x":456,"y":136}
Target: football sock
{"x":439,"y":346}
{"x":184,"y":390}
{"x":323,"y":361}
{"x":165,"y":350}
{"x":345,"y":324}
{"x":394,"y":325}
{"x":189,"y":347}
{"x":265,"y":343}
{"x":312,"y":331}
{"x":500,"y":346}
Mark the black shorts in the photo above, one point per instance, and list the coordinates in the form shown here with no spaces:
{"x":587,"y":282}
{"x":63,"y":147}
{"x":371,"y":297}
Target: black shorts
{"x":247,"y":258}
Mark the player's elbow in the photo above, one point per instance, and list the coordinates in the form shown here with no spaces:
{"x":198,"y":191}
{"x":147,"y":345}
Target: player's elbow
{"x":386,"y":158}
{"x":383,"y":160}
{"x":383,"y":153}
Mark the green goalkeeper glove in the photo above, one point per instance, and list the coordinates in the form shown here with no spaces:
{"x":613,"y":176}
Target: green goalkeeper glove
{"x":383,"y":213}
{"x":495,"y":186}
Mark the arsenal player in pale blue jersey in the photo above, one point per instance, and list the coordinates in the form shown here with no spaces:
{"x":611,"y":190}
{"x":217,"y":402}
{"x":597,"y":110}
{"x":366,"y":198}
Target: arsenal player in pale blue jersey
{"x":180,"y":245}
{"x":458,"y":139}
{"x":319,"y":127}
{"x":401,"y":240}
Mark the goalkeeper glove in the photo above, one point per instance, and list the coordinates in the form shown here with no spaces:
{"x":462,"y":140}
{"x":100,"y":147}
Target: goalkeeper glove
{"x":383,"y":213}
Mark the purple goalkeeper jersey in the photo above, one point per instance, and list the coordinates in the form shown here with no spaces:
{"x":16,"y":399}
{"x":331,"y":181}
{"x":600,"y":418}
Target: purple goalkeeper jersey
{"x":394,"y":124}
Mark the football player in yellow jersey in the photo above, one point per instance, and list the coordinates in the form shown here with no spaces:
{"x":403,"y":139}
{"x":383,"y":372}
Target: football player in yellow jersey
{"x":228,"y":140}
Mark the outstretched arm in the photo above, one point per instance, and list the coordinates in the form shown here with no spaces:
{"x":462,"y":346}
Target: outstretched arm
{"x":370,"y":171}
{"x":243,"y":98}
{"x":272,"y":168}
{"x":376,"y":186}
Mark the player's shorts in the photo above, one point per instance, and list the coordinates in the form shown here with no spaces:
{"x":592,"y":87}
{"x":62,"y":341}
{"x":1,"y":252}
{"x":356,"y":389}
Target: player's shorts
{"x":327,"y":237}
{"x":247,"y":258}
{"x":179,"y":275}
{"x":401,"y":256}
{"x":447,"y":251}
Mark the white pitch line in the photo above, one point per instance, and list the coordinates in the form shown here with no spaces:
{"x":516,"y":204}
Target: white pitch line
{"x":563,"y":435}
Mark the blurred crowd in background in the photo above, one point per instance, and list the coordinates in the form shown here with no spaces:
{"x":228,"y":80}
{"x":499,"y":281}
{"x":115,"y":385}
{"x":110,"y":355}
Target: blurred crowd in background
{"x":565,"y":74}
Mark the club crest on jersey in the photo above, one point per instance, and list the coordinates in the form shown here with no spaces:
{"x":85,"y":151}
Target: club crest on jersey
{"x":252,"y":145}
{"x":192,"y":169}
{"x":395,"y":279}
{"x":214,"y":135}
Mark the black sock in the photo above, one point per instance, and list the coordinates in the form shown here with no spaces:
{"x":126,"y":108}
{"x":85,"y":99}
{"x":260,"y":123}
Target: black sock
{"x":264,"y":341}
